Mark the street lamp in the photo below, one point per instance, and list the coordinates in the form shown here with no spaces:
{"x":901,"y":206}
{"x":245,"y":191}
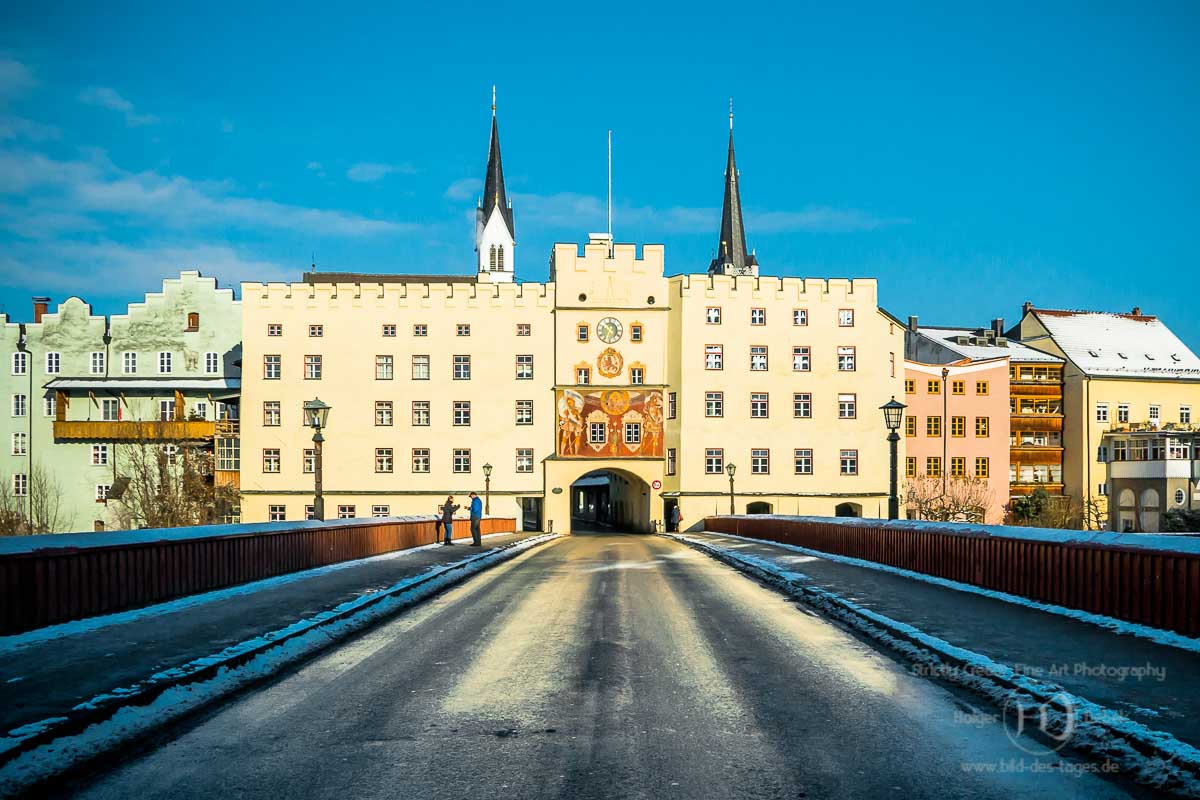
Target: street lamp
{"x":731,"y":468}
{"x":316,"y":415}
{"x":893,"y":413}
{"x":487,"y":488}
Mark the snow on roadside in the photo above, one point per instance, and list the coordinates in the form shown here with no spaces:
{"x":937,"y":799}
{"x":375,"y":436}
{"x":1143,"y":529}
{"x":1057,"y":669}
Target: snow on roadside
{"x":277,"y":650}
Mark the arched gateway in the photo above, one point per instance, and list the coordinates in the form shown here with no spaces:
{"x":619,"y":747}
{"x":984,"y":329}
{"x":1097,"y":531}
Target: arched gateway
{"x":603,"y":495}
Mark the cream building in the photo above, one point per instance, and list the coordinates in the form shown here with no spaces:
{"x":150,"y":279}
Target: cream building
{"x":610,"y":370}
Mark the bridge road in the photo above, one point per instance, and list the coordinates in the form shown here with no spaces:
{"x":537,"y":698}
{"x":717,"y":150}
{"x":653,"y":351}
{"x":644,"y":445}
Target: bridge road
{"x":599,"y":666}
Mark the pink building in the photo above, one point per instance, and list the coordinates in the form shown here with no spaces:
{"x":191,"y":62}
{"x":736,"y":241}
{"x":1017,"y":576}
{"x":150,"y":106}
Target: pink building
{"x":956,"y":431}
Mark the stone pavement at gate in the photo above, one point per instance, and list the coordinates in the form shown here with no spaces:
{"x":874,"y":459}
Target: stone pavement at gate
{"x":1073,"y":654}
{"x":42,"y":678}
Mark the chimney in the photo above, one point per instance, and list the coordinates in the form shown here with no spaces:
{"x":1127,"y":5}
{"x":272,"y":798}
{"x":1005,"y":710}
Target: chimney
{"x":912,"y":324}
{"x":1026,"y":308}
{"x":998,"y":326}
{"x":40,"y":306}
{"x":1137,"y":311}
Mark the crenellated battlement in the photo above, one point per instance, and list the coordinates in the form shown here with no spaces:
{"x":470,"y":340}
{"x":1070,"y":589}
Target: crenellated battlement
{"x":775,"y":288}
{"x":424,"y":294}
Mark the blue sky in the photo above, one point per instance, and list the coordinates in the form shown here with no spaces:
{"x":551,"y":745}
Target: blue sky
{"x":970,"y":159}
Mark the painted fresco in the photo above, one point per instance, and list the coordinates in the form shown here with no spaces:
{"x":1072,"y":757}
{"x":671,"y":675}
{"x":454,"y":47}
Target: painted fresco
{"x":610,"y":423}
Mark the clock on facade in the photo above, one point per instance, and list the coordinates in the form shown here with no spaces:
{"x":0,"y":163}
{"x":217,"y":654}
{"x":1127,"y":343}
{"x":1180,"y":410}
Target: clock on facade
{"x":609,"y":330}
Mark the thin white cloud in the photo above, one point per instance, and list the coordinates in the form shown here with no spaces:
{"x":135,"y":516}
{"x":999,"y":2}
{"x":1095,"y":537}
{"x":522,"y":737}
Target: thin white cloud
{"x":369,"y":172}
{"x":15,"y":78}
{"x":31,"y":130}
{"x":464,"y":189}
{"x":107,"y":97}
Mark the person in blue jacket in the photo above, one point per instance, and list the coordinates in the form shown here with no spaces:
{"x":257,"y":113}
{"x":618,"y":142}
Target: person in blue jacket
{"x":476,"y":519}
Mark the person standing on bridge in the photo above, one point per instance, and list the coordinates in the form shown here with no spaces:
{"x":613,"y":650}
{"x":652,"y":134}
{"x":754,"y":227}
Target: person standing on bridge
{"x":476,"y":519}
{"x":448,"y":518}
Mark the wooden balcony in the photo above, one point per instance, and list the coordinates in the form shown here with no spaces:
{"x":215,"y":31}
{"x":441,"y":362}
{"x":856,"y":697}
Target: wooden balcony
{"x":177,"y":430}
{"x":1036,"y":422}
{"x":1052,"y":489}
{"x":1033,"y":454}
{"x":1035,"y":389}
{"x":227,"y":477}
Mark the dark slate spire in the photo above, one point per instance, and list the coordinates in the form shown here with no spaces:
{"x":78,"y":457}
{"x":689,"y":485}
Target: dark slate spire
{"x":493,"y":185}
{"x":732,"y":256}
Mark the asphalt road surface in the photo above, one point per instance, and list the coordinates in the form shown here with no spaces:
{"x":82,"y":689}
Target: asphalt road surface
{"x":601,"y":666}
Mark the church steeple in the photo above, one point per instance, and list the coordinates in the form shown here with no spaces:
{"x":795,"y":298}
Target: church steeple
{"x":732,"y":256}
{"x":494,"y":231}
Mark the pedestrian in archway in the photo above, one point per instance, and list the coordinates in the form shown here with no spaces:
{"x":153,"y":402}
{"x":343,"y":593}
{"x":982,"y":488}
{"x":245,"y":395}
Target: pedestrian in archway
{"x":476,"y":519}
{"x":448,"y":518}
{"x":676,"y":517}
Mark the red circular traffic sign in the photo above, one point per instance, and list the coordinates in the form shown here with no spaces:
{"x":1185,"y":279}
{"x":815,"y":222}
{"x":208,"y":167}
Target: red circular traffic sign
{"x":656,"y":485}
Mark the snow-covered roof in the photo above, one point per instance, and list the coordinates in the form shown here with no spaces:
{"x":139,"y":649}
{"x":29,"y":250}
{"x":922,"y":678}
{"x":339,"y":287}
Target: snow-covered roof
{"x":123,"y":384}
{"x":948,"y":337}
{"x":1119,"y":345}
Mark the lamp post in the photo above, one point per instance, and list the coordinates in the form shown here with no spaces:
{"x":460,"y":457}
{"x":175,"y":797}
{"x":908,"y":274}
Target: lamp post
{"x":731,"y":468}
{"x":893,"y":413}
{"x":487,"y":488}
{"x":316,"y":415}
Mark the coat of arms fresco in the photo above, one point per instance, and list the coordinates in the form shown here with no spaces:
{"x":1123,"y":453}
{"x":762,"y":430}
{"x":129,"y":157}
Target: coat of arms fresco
{"x":610,"y":423}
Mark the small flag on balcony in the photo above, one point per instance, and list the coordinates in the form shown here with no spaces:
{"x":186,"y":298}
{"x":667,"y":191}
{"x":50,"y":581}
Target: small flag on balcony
{"x":95,"y":402}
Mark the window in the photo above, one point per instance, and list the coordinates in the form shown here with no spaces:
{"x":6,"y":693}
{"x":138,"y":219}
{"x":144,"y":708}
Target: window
{"x":212,"y":363}
{"x":272,"y":367}
{"x":420,"y":459}
{"x":312,"y":368}
{"x":420,"y":412}
{"x":910,"y":467}
{"x":846,"y":318}
{"x":420,"y":329}
{"x":524,"y":329}
{"x":309,"y":461}
{"x":102,"y":491}
{"x":383,"y":412}
{"x":958,"y":467}
{"x":129,"y":363}
{"x":524,"y":459}
{"x":803,"y":461}
{"x":760,"y":462}
{"x":525,"y":368}
{"x":849,"y":462}
{"x":316,"y":331}
{"x":801,"y":359}
{"x":20,"y":484}
{"x":845,"y":359}
{"x":1120,"y":450}
{"x":933,"y":387}
{"x":597,"y":432}
{"x":802,"y":405}
{"x":958,"y":387}
{"x":847,"y":406}
{"x":381,"y":511}
{"x":385,"y":368}
{"x":981,"y":387}
{"x":462,"y":412}
{"x":758,"y":357}
{"x":389,"y":331}
{"x":583,"y":376}
{"x":20,"y":443}
{"x":712,"y":315}
{"x":110,"y":409}
{"x":276,"y":513}
{"x":982,"y":467}
{"x":1185,"y":415}
{"x":799,"y":316}
{"x":637,"y":376}
{"x":714,"y":461}
{"x":20,"y":363}
{"x":20,"y":405}
{"x":1101,"y":412}
{"x":462,"y":461}
{"x":758,"y":316}
{"x":98,"y":363}
{"x":635,"y":332}
{"x":1102,"y":454}
{"x":581,"y":333}
{"x":910,"y":386}
{"x":274,"y":329}
{"x":910,"y":426}
{"x":462,"y":368}
{"x":270,"y":457}
{"x":524,"y":412}
{"x":1122,"y":412}
{"x":420,"y":368}
{"x":958,"y":426}
{"x":672,"y":405}
{"x":271,"y":413}
{"x":345,"y":512}
{"x":633,"y":433}
{"x":714,"y":356}
{"x":383,"y":459}
{"x":310,"y":512}
{"x":51,"y":405}
{"x":164,"y":362}
{"x":672,"y":458}
{"x":933,"y":426}
{"x":758,"y":405}
{"x":982,"y":427}
{"x":933,"y":466}
{"x":1155,"y":414}
{"x":462,"y":329}
{"x":714,"y":404}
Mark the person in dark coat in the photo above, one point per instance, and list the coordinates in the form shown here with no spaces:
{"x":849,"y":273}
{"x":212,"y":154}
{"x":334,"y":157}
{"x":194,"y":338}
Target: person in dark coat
{"x":476,"y":519}
{"x":448,"y":518}
{"x":676,"y":518}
